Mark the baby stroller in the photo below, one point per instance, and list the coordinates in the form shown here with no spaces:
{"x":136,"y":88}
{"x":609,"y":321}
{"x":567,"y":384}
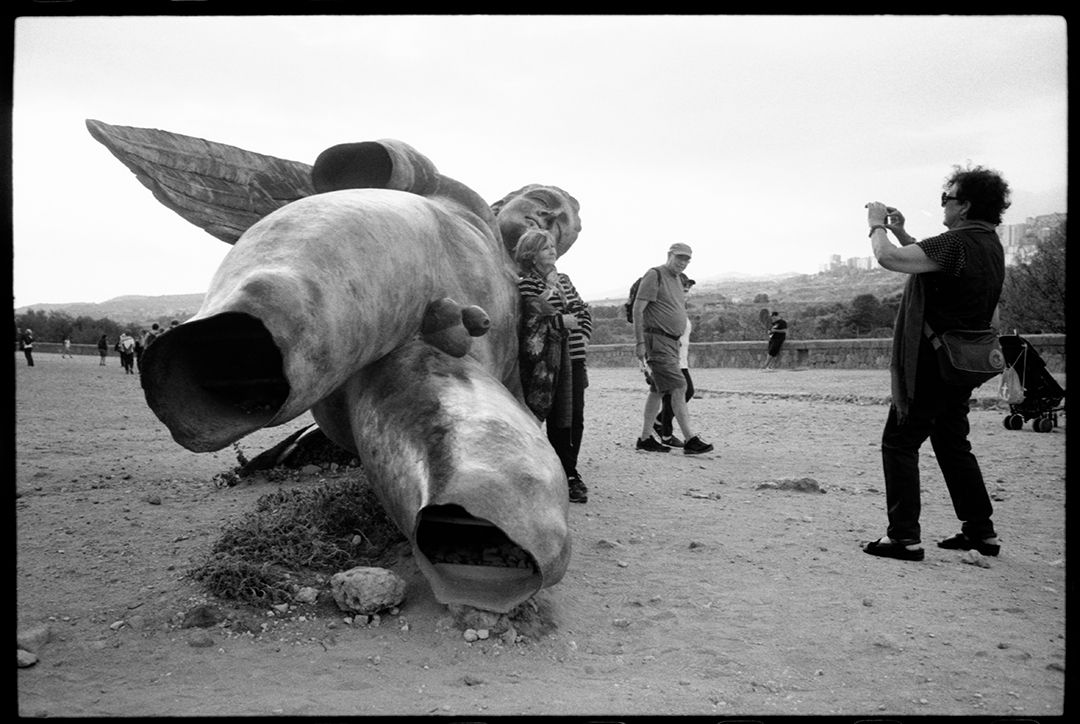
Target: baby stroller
{"x":1033,"y":393}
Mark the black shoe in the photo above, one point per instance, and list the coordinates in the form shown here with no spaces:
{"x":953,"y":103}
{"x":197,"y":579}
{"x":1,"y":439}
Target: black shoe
{"x":696,"y":446}
{"x":961,"y":542}
{"x":892,"y":549}
{"x":671,"y":441}
{"x":650,"y":444}
{"x":578,"y":492}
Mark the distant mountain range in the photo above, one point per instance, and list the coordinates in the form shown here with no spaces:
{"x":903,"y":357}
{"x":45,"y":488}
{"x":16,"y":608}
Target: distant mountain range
{"x":130,"y":309}
{"x":837,"y":286}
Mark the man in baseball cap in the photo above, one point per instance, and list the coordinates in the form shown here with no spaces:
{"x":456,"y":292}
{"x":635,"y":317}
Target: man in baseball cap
{"x":660,"y":319}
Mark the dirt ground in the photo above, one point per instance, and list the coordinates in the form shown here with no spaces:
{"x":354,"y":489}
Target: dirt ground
{"x":692,"y":589}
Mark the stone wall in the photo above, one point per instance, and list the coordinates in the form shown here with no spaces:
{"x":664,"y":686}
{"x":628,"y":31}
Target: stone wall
{"x":806,"y":353}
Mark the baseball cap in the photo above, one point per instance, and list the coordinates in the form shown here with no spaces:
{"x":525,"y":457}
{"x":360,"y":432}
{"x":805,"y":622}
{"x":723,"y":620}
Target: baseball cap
{"x":680,"y":248}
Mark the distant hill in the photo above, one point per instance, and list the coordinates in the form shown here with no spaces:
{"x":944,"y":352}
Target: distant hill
{"x":128,"y":309}
{"x":838,"y":285}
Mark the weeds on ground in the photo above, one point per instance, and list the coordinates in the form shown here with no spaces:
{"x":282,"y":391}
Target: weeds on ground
{"x":295,"y":537}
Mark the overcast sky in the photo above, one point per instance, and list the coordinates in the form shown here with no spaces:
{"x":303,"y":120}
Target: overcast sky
{"x":755,"y":139}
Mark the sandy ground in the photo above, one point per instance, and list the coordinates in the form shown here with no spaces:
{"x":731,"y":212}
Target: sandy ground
{"x":691,"y":591}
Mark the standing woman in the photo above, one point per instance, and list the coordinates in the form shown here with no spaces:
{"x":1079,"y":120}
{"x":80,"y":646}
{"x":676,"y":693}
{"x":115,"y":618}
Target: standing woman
{"x":103,"y":349}
{"x":556,"y":327}
{"x":954,"y":282}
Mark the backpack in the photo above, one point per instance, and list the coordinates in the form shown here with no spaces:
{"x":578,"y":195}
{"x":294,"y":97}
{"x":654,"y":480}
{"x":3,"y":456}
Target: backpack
{"x":629,"y":306}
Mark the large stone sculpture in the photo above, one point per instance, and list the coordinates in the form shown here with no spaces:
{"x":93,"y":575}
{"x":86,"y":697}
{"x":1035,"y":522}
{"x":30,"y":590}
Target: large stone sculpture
{"x":379,"y":295}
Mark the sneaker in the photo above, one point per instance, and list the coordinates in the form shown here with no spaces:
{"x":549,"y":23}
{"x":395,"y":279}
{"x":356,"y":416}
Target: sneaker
{"x":650,"y":444}
{"x":671,"y":441}
{"x":578,"y":492}
{"x":696,"y":446}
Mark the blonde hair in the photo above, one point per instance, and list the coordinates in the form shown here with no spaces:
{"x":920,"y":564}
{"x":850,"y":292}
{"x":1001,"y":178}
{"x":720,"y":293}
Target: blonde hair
{"x":528,"y":245}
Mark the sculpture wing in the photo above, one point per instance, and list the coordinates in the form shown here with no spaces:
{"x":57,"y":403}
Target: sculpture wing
{"x":221,"y":189}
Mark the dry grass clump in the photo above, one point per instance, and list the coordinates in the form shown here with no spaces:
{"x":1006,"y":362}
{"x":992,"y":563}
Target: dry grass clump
{"x":297,"y":537}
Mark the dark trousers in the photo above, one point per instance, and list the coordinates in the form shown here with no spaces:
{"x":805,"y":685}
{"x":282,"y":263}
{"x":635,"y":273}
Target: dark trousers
{"x":567,"y":440}
{"x":666,"y":415}
{"x":29,"y":356}
{"x":940,"y":412}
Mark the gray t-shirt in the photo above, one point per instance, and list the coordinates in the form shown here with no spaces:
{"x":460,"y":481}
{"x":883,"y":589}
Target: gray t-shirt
{"x":667,"y":301}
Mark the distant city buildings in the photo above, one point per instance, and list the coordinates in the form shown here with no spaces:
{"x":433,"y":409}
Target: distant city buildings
{"x":1019,"y":241}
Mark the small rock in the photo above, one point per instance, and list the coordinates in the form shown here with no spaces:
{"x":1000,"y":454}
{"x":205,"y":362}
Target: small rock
{"x":26,"y":658}
{"x":974,"y":558}
{"x":281,"y":608}
{"x":482,"y":633}
{"x":153,"y":499}
{"x":605,"y":543}
{"x":470,"y":635}
{"x":32,"y":639}
{"x":307,"y":594}
{"x":367,"y":590}
{"x":310,"y":469}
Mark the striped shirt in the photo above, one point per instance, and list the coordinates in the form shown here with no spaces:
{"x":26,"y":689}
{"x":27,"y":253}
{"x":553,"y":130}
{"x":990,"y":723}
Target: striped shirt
{"x":564,"y":299}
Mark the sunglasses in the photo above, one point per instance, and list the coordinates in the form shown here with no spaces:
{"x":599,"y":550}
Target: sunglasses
{"x":682,"y":257}
{"x":945,"y":198}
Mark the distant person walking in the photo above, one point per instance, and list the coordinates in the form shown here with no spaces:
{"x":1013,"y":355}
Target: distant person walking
{"x":139,"y":349}
{"x":663,"y":425}
{"x":777,"y":335}
{"x":660,"y":319}
{"x":66,"y":351}
{"x":103,"y":349}
{"x":126,"y":345}
{"x":155,"y":332}
{"x":26,"y":344}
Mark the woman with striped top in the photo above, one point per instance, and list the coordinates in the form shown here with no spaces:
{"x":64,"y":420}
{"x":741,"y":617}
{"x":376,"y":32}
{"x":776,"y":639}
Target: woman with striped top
{"x":553,"y":312}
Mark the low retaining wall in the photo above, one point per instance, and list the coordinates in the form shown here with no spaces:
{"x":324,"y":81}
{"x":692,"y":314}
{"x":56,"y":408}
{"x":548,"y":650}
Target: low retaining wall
{"x":803,"y":353}
{"x":806,"y":353}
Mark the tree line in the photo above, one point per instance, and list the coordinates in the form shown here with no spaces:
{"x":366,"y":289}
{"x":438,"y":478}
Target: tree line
{"x":53,"y":326}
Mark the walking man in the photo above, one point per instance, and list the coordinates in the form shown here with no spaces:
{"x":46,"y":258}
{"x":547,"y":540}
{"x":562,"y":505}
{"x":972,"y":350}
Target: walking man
{"x":659,"y":321}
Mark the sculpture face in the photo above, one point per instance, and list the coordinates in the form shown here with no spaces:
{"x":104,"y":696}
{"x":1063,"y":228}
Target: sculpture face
{"x":356,"y":296}
{"x":538,"y":207}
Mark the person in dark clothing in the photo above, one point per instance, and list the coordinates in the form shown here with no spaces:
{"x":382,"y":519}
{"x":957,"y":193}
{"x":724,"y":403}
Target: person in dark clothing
{"x":955,"y":282}
{"x":777,"y":335}
{"x":103,"y":349}
{"x":26,"y":344}
{"x":549,"y":298}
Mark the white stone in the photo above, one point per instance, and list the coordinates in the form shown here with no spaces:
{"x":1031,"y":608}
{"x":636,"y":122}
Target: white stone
{"x":367,"y":590}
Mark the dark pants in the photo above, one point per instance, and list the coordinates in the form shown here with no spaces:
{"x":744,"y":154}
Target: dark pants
{"x":567,"y":440}
{"x":940,"y":412}
{"x":29,"y":356}
{"x":666,"y":415}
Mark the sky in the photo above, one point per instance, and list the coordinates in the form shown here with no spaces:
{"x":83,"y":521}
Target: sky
{"x":757,"y":140}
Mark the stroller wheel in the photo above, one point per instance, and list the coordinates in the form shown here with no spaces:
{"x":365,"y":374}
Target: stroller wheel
{"x":1013,"y":422}
{"x":1043,"y":424}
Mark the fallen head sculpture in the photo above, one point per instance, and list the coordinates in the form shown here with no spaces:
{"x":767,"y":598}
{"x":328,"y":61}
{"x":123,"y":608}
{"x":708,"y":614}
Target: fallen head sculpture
{"x":379,"y":295}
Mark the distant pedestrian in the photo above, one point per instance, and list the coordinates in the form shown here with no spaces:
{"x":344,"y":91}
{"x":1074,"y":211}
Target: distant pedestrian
{"x":26,"y":344}
{"x":139,"y":349}
{"x":126,"y":345}
{"x":66,"y":351}
{"x":155,"y":332}
{"x":777,"y":335}
{"x":103,"y":349}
